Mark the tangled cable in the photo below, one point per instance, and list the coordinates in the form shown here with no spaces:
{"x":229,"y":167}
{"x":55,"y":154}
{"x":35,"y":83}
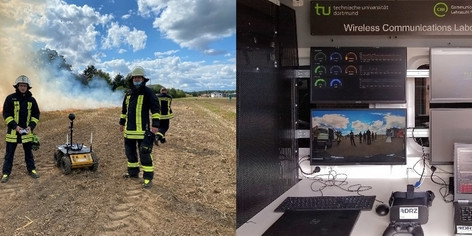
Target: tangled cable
{"x":333,"y":179}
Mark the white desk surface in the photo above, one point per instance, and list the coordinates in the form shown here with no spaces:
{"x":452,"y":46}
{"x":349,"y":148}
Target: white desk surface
{"x":440,"y":221}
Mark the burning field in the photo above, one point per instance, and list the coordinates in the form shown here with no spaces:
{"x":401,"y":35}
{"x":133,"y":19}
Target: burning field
{"x":193,"y":192}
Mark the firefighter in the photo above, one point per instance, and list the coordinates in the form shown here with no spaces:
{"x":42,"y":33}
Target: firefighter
{"x":138,"y":102}
{"x":21,"y":115}
{"x":165,"y":102}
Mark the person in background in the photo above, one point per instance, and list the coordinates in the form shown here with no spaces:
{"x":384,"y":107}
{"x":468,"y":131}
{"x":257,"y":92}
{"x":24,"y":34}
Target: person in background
{"x":135,"y":125}
{"x":165,"y":102}
{"x":21,"y":115}
{"x":351,"y":137}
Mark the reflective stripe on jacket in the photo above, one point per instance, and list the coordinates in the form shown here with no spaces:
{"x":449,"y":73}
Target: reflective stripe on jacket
{"x":165,"y":102}
{"x":20,"y":110}
{"x":135,"y":112}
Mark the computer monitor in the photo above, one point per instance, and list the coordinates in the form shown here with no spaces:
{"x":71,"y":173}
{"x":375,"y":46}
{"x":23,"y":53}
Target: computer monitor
{"x":373,"y":136}
{"x":358,"y":74}
{"x":448,"y":126}
{"x":451,"y":75}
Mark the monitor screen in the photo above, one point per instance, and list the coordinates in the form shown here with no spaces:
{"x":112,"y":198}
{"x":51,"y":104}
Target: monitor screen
{"x":358,"y":74}
{"x":374,"y":136}
{"x":451,"y":75}
{"x":448,"y":126}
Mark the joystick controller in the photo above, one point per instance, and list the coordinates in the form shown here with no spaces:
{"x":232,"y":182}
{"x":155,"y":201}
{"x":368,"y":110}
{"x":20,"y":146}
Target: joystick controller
{"x":404,"y":227}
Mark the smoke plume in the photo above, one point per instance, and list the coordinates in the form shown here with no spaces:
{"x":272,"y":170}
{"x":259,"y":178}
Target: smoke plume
{"x":53,"y":89}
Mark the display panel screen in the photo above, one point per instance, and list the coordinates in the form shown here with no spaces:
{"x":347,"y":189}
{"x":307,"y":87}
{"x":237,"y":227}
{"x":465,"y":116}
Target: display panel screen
{"x":462,"y":167}
{"x":358,"y":75}
{"x":448,"y":126}
{"x":358,"y":136}
{"x":451,"y":75}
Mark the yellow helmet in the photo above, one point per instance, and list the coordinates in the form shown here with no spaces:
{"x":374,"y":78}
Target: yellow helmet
{"x":22,"y":79}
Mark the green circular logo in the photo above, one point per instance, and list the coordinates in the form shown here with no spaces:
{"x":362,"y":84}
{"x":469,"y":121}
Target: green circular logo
{"x":440,"y":9}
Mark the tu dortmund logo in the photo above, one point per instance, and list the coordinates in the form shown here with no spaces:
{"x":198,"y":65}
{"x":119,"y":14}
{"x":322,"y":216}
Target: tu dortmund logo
{"x":322,"y":10}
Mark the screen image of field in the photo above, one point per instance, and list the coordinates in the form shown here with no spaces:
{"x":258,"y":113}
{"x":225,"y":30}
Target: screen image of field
{"x":365,"y":136}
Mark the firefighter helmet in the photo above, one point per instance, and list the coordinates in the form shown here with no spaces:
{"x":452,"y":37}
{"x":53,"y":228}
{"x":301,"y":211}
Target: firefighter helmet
{"x":22,"y":79}
{"x":139,"y":71}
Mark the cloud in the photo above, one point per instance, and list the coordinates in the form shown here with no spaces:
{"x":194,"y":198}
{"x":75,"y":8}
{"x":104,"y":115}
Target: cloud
{"x":148,"y":7}
{"x":336,"y":121}
{"x":393,"y":121}
{"x":192,"y":24}
{"x":359,"y":126}
{"x":166,"y":53}
{"x":214,"y":52}
{"x":85,"y":36}
{"x":125,"y":17}
{"x":173,"y":72}
{"x":71,"y":30}
{"x":118,"y":35}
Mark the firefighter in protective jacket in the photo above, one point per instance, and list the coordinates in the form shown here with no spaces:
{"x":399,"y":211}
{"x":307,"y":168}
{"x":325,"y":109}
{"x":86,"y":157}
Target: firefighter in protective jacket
{"x":165,"y":102}
{"x":135,"y":125}
{"x":21,"y":115}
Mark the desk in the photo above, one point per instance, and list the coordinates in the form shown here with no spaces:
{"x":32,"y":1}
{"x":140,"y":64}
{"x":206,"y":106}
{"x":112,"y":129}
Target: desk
{"x":440,"y":221}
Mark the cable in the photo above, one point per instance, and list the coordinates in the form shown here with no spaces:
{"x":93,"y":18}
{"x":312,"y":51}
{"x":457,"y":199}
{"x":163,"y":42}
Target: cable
{"x":423,"y":158}
{"x":306,"y":158}
{"x":333,"y":179}
{"x":444,"y":189}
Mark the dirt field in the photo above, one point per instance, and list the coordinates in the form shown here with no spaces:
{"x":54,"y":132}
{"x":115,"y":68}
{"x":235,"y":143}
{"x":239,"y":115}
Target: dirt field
{"x":193,"y":192}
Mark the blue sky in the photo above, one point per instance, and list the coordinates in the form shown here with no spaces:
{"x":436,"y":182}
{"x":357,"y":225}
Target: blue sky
{"x":182,"y":44}
{"x":376,"y":120}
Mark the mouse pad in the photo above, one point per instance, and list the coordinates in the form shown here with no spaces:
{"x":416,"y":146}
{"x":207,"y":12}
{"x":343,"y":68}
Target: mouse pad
{"x":319,"y":223}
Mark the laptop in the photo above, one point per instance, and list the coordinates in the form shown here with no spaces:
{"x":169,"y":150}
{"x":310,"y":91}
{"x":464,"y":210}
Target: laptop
{"x":316,"y":222}
{"x":462,"y":188}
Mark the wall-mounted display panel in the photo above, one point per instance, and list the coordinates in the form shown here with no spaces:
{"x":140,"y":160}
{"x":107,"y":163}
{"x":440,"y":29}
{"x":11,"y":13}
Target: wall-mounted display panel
{"x":451,"y":75}
{"x":448,"y":126}
{"x":358,"y":74}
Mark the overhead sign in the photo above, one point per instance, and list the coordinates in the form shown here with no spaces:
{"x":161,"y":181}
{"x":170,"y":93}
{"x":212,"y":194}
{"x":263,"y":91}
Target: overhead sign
{"x":391,"y":17}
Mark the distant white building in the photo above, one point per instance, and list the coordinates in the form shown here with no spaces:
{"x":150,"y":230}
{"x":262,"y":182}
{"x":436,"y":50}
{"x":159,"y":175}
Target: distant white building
{"x":216,"y":95}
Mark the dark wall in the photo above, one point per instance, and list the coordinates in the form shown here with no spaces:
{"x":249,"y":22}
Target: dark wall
{"x":266,"y":160}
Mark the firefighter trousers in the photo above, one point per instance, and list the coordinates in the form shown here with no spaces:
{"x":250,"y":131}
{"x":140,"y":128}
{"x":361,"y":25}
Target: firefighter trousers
{"x":10,"y":154}
{"x":131,"y":151}
{"x":164,"y":126}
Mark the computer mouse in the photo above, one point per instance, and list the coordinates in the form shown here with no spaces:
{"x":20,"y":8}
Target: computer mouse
{"x":382,"y":209}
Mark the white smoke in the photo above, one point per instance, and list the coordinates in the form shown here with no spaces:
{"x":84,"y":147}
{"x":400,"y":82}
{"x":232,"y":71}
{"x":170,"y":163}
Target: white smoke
{"x":53,"y":89}
{"x":58,"y":90}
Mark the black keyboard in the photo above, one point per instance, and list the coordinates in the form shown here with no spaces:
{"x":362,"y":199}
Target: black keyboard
{"x":327,"y":203}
